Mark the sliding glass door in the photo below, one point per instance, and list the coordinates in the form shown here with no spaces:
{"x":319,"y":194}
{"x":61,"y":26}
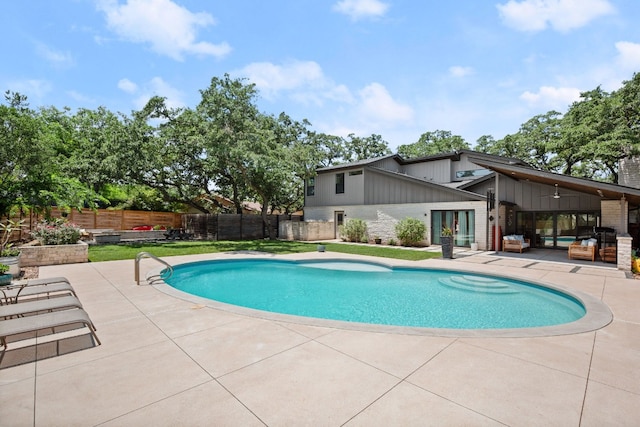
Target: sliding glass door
{"x":461,"y":222}
{"x":556,"y":229}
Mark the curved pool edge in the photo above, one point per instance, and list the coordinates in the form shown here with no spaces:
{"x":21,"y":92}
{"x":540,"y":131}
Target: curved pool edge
{"x":598,"y":315}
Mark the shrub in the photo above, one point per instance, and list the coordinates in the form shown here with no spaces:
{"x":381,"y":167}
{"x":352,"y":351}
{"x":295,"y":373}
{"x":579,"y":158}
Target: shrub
{"x":354,"y":230}
{"x":56,"y":232}
{"x":410,"y":231}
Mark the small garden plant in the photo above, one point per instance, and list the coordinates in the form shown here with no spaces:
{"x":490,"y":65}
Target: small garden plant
{"x":56,"y":231}
{"x":6,"y":230}
{"x":410,"y":231}
{"x":354,"y":230}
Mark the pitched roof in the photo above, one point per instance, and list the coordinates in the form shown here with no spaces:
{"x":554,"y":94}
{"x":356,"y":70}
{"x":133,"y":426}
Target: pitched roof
{"x":454,"y":155}
{"x":603,"y":189}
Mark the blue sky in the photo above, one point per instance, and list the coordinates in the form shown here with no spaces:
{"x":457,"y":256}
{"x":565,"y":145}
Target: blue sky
{"x":397,"y":68}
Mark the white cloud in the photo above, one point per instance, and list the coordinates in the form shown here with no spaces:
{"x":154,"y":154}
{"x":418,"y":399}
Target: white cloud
{"x":558,"y":98}
{"x":155,"y":87}
{"x":80,"y":98}
{"x":170,"y":29}
{"x":127,"y":85}
{"x":628,"y":56}
{"x":359,"y":9}
{"x":56,"y":58}
{"x":304,"y":81}
{"x":561,"y":15}
{"x":34,"y":89}
{"x":377,"y":104}
{"x":459,"y":71}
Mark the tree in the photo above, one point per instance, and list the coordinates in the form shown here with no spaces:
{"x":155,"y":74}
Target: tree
{"x":324,"y":150}
{"x":431,"y":143}
{"x":165,"y":152}
{"x":626,"y":116}
{"x":31,"y":176}
{"x":357,"y":148}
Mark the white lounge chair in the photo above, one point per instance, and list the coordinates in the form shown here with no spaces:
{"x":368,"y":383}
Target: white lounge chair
{"x":10,"y":294}
{"x":36,"y":306}
{"x":49,"y":320}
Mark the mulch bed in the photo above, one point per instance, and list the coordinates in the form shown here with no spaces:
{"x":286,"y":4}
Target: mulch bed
{"x":29,"y":273}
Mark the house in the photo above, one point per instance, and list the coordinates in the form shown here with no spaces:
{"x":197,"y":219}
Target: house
{"x":460,"y":190}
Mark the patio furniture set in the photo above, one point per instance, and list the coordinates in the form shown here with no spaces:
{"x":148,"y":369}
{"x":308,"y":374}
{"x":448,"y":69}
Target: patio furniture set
{"x":586,"y":249}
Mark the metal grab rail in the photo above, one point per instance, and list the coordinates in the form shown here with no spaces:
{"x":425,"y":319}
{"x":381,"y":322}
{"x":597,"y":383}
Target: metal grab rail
{"x":148,"y":255}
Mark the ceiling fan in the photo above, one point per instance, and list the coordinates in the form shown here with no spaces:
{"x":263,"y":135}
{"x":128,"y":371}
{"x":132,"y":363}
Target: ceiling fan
{"x":556,"y":194}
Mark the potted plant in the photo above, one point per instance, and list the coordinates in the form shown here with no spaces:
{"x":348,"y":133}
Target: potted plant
{"x":10,"y":255}
{"x":5,"y":276}
{"x":446,"y":241}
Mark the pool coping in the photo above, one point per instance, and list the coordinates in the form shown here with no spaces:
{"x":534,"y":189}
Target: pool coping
{"x":598,"y":315}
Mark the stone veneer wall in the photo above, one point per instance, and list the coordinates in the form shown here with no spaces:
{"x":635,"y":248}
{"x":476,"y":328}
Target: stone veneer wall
{"x":54,"y":254}
{"x":612,"y":216}
{"x":624,"y":252}
{"x":382,"y":219}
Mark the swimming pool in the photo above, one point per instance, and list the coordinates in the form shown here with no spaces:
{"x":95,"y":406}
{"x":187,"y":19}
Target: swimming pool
{"x":375,"y":294}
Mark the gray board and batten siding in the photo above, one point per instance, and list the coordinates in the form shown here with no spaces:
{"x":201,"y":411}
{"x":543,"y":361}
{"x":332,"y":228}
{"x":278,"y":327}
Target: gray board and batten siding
{"x":382,"y":187}
{"x":533,"y":196}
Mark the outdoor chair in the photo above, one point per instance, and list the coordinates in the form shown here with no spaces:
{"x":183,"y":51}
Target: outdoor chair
{"x":583,"y":249}
{"x":515,"y":243}
{"x":11,"y":293}
{"x":38,"y":322}
{"x":36,"y":306}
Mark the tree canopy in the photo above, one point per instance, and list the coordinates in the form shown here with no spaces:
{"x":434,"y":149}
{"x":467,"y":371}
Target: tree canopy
{"x":163,"y":158}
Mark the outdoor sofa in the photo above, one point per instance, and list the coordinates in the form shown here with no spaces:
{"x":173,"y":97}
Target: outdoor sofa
{"x":515,"y":243}
{"x":583,"y":249}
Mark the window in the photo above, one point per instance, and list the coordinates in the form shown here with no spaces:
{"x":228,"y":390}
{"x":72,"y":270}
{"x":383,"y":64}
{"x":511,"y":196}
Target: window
{"x":311,"y":186}
{"x":339,"y":183}
{"x":474,"y":173}
{"x":354,"y":173}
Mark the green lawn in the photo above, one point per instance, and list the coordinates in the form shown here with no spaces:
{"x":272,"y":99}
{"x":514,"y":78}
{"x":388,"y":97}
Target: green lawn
{"x":129,"y":251}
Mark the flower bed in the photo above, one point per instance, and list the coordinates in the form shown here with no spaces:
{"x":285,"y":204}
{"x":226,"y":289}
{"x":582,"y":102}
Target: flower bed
{"x":54,"y":254}
{"x":59,"y":244}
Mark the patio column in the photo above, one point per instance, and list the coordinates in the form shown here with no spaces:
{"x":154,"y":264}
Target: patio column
{"x":623,"y":244}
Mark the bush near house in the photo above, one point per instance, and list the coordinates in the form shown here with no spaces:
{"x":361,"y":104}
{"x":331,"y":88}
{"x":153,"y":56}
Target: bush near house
{"x":410,"y":231}
{"x":354,"y":230}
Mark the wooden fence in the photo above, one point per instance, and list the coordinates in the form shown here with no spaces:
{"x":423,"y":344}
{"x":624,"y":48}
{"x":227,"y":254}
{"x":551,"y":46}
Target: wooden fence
{"x":231,"y":226}
{"x":201,"y":226}
{"x":104,"y":219}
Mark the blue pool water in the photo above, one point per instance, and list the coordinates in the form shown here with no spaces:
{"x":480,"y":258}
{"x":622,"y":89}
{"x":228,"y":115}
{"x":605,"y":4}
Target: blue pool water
{"x":372,"y":293}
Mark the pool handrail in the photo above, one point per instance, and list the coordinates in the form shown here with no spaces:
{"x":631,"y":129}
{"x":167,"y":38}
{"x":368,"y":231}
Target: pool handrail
{"x":141,"y":255}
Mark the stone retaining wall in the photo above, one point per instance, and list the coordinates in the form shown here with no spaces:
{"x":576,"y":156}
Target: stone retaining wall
{"x":54,"y":254}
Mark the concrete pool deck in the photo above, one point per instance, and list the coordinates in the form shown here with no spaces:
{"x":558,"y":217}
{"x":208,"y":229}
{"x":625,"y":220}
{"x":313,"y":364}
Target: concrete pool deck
{"x":167,"y":361}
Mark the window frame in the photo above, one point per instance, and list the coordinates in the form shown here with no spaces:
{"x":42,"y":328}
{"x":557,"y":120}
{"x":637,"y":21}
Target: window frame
{"x":340,"y":183}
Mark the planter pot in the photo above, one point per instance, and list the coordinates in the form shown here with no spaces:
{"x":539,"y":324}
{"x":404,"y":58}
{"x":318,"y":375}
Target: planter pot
{"x":474,"y":246}
{"x":14,"y":264}
{"x":5,"y":279}
{"x":447,"y":246}
{"x":635,"y":265}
